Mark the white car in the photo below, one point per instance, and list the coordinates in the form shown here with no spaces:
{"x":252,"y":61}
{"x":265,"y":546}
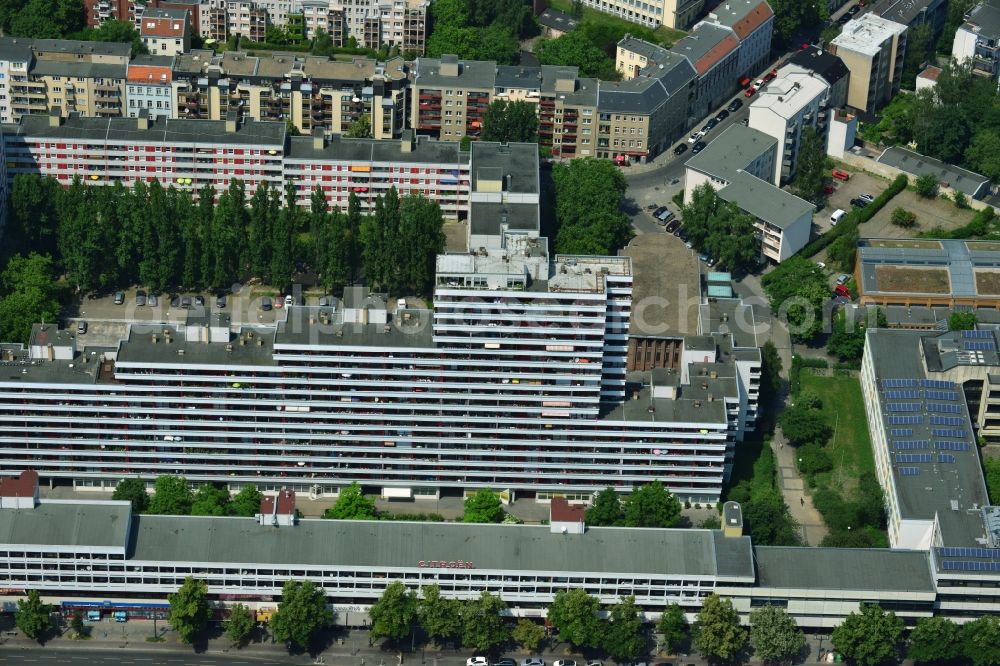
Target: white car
{"x":696,"y":137}
{"x":477,"y":661}
{"x":532,"y":661}
{"x":820,"y":265}
{"x":563,"y":662}
{"x":289,"y":300}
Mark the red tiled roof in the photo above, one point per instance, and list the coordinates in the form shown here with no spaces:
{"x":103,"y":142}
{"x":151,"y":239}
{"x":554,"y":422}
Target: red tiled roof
{"x":21,"y":486}
{"x":561,"y":511}
{"x":162,"y":27}
{"x":931,"y":73}
{"x":148,"y":74}
{"x":753,"y":20}
{"x":720,"y":50}
{"x":286,"y":503}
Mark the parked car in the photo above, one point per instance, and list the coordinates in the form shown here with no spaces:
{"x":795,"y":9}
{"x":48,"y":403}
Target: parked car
{"x":532,"y":661}
{"x":477,"y":661}
{"x":140,"y":298}
{"x":659,"y":211}
{"x":759,"y":83}
{"x":505,"y":661}
{"x":564,"y":662}
{"x":837,"y":216}
{"x":721,"y":115}
{"x":186,"y":302}
{"x":325,"y":302}
{"x":151,"y":301}
{"x":750,"y":92}
{"x":820,"y":265}
{"x":672,"y":226}
{"x":681,"y":149}
{"x":858,"y":202}
{"x":81,"y":327}
{"x":698,"y":147}
{"x":867,"y":197}
{"x":199,"y":301}
{"x":843,"y":278}
{"x":704,"y":258}
{"x":652,"y":206}
{"x":696,"y":137}
{"x":770,"y":76}
{"x":709,"y":126}
{"x":840,"y":175}
{"x":829,"y":189}
{"x":175,"y":301}
{"x":735,"y":105}
{"x":119,"y":297}
{"x":289,"y":299}
{"x":265,"y":304}
{"x":221,"y":301}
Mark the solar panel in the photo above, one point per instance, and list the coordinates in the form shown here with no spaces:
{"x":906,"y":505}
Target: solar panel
{"x":906,"y":420}
{"x":903,"y":407}
{"x":946,"y":458}
{"x":952,"y":551}
{"x":977,"y":335}
{"x":909,"y":471}
{"x":942,"y":395}
{"x":947,"y":420}
{"x":901,"y":432}
{"x":899,"y":383}
{"x":985,"y":345}
{"x":969,"y":565}
{"x":902,"y":394}
{"x":946,"y":408}
{"x":948,"y":432}
{"x":951,"y":446}
{"x":909,"y":446}
{"x":937,"y":383}
{"x":913,"y":457}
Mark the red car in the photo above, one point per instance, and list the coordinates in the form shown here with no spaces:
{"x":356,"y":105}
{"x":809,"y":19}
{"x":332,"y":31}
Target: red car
{"x":828,"y":189}
{"x":770,"y":76}
{"x":840,"y":175}
{"x":750,"y":92}
{"x":804,"y":46}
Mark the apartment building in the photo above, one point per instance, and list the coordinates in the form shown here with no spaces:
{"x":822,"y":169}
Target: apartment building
{"x":828,"y":67}
{"x":165,"y":32}
{"x":873,"y":49}
{"x":790,"y":103}
{"x":714,"y":52}
{"x":450,"y":96}
{"x":149,"y":86}
{"x":308,"y":91}
{"x":678,"y":14}
{"x":912,"y":13}
{"x":752,"y":21}
{"x":740,"y":164}
{"x":977,"y":40}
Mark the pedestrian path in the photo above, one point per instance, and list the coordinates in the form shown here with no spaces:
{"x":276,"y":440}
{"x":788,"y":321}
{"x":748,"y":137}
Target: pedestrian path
{"x":800,"y":505}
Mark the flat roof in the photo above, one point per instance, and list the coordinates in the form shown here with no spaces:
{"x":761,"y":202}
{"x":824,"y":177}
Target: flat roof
{"x":384,"y":151}
{"x":765,"y":201}
{"x":86,"y":525}
{"x":915,"y":164}
{"x":866,"y":34}
{"x":411,"y":328}
{"x":403,"y":545}
{"x":903,"y":11}
{"x":492,"y":218}
{"x":557,"y":20}
{"x":471,"y":73}
{"x":735,"y":149}
{"x":933,"y":452}
{"x":875,"y":569}
{"x":516,"y":163}
{"x":824,"y":63}
{"x":984,"y":19}
{"x":961,"y":260}
{"x":793,"y":89}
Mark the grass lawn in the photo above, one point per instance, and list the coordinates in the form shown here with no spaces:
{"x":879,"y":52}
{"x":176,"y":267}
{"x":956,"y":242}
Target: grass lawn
{"x":850,"y":447}
{"x":662,"y":35}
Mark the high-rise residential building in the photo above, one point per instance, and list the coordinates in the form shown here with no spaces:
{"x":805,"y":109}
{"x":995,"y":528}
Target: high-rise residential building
{"x":873,"y":49}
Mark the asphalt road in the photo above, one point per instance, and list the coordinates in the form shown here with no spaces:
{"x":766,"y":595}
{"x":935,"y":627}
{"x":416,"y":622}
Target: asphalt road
{"x":88,"y":655}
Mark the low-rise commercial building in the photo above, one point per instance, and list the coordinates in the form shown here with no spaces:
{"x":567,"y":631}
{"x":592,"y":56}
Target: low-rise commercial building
{"x":740,"y":165}
{"x":873,"y":49}
{"x":977,"y":40}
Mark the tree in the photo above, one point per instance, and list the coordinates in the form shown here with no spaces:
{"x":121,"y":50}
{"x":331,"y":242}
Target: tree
{"x":240,"y":624}
{"x":802,"y":425}
{"x":983,"y":153}
{"x":674,"y":628}
{"x":588,"y":196}
{"x":420,"y":240}
{"x":767,"y":520}
{"x":771,"y":367}
{"x":718,"y":634}
{"x":394,"y":615}
{"x":482,"y":507}
{"x":439,"y":616}
{"x":962,"y":321}
{"x":115,"y":30}
{"x":34,"y":219}
{"x":810,"y":167}
{"x":360,"y":128}
{"x":791,"y":15}
{"x":573,"y":613}
{"x":301,"y":613}
{"x":352,"y":505}
{"x":510,"y":121}
{"x":919,"y":40}
{"x":574,"y":48}
{"x":903,"y":218}
{"x":245,"y":503}
{"x":651,"y":506}
{"x":29,"y":293}
{"x":981,"y":641}
{"x":775,"y":637}
{"x":76,"y":624}
{"x":132,"y":490}
{"x":719,"y":228}
{"x":483,"y":625}
{"x":32,"y":617}
{"x":870,"y":637}
{"x":189,"y":611}
{"x":624,"y":635}
{"x":847,"y":338}
{"x":171,"y":496}
{"x":48,"y":19}
{"x":528,"y":634}
{"x":606,"y":511}
{"x":210,"y":500}
{"x":935,"y":639}
{"x":927,"y":186}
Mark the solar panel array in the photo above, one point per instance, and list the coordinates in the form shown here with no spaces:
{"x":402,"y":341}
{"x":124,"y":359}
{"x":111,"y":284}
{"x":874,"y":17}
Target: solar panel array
{"x":937,"y":384}
{"x":899,"y":383}
{"x":913,"y":457}
{"x":906,"y":420}
{"x":946,"y":458}
{"x":970,"y":565}
{"x":944,"y":407}
{"x":984,"y":345}
{"x":952,"y":551}
{"x":902,"y":394}
{"x":951,"y":446}
{"x":903,"y":407}
{"x":909,"y":471}
{"x":947,"y":420}
{"x":909,"y":446}
{"x":977,"y":335}
{"x":901,"y":432}
{"x":948,"y":432}
{"x":942,"y":395}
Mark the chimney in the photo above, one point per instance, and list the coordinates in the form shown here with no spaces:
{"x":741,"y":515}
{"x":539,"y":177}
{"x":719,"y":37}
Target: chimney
{"x":55,"y":116}
{"x":319,"y":138}
{"x":407,"y":141}
{"x":231,"y":121}
{"x":143,"y":119}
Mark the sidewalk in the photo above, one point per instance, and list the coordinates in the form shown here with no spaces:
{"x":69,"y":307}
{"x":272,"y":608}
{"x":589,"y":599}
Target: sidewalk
{"x":799,"y":502}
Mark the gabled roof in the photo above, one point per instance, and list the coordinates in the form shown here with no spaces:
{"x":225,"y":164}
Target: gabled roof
{"x":743,"y":16}
{"x":164,"y":23}
{"x":557,"y":20}
{"x":707,"y":46}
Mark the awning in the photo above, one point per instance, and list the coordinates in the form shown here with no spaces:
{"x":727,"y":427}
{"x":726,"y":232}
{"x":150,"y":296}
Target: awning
{"x":397,"y":493}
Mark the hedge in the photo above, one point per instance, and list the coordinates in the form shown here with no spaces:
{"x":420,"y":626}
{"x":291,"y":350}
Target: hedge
{"x":798,"y":363}
{"x":977,"y":226}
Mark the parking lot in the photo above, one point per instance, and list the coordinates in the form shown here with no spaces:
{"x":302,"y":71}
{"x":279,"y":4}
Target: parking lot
{"x":860,"y":183}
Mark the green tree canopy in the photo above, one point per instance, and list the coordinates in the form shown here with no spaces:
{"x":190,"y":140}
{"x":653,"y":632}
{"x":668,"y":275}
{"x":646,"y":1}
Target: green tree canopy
{"x":439,"y":616}
{"x":927,"y":185}
{"x":510,"y":121}
{"x":171,"y":496}
{"x":797,"y":290}
{"x":962,"y":321}
{"x":651,"y":506}
{"x":718,"y":634}
{"x":811,"y":166}
{"x":245,"y":503}
{"x":394,"y":615}
{"x":606,"y":511}
{"x":771,"y":366}
{"x":802,"y":424}
{"x":869,"y":637}
{"x":775,"y":637}
{"x":77,"y":625}
{"x":588,"y":195}
{"x":360,"y":128}
{"x":32,"y":616}
{"x":674,"y":627}
{"x":847,"y":338}
{"x":483,"y":625}
{"x":624,"y":635}
{"x":189,"y":611}
{"x":935,"y":640}
{"x":483,"y":507}
{"x":210,"y":500}
{"x":767,"y":520}
{"x":132,"y":490}
{"x":240,"y":624}
{"x":301,"y":613}
{"x":528,"y":634}
{"x":29,"y":293}
{"x":719,"y":228}
{"x":981,"y":641}
{"x":352,"y":505}
{"x":790,"y":16}
{"x":115,"y":31}
{"x":575,"y":49}
{"x":573,"y":613}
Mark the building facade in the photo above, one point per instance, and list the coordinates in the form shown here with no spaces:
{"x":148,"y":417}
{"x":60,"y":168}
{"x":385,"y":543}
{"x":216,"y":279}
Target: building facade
{"x":977,"y":40}
{"x":678,"y":14}
{"x":165,"y":32}
{"x":150,"y":87}
{"x":873,"y":49}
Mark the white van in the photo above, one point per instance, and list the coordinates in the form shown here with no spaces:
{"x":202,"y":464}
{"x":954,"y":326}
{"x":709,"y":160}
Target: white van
{"x":837,"y":216}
